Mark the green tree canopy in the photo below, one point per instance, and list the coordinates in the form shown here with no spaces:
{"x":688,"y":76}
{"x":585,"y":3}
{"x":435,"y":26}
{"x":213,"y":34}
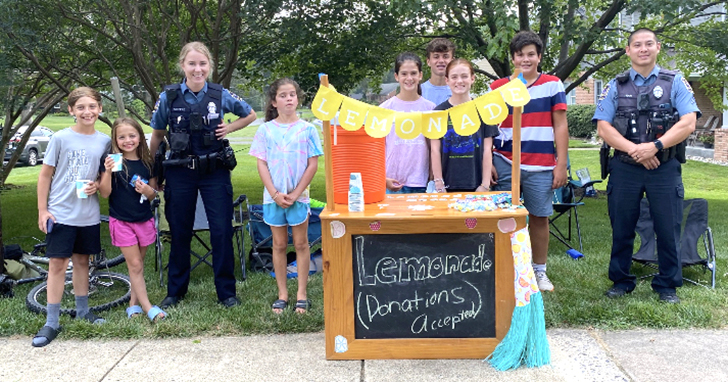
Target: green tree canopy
{"x":581,"y":38}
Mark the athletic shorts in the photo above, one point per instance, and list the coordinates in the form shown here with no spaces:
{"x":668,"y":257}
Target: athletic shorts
{"x":127,"y":234}
{"x":535,"y":187}
{"x":65,"y":240}
{"x":275,"y":216}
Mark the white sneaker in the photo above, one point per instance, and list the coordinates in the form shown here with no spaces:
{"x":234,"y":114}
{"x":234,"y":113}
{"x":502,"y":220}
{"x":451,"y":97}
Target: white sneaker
{"x":544,"y":284}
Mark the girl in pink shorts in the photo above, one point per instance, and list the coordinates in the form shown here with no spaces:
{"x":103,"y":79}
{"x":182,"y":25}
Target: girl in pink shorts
{"x":131,"y":223}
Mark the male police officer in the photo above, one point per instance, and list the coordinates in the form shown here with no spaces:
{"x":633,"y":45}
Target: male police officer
{"x":645,"y":114}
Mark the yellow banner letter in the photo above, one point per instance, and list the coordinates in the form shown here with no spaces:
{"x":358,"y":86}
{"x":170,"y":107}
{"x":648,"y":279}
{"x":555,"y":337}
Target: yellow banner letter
{"x":515,"y":93}
{"x":491,"y":108}
{"x":434,"y":124}
{"x":408,"y":125}
{"x":379,"y":122}
{"x":352,"y":114}
{"x":326,"y":103}
{"x":465,"y":119}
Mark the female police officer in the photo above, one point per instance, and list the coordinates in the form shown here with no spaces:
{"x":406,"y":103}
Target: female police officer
{"x":645,"y":114}
{"x":197,"y":161}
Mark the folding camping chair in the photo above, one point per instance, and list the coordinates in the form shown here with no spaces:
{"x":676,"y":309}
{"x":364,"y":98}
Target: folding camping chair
{"x":201,"y":225}
{"x":261,"y":236}
{"x":694,"y":226}
{"x":565,"y":201}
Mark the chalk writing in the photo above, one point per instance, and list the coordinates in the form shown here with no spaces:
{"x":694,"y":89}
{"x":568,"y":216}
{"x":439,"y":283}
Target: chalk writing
{"x":422,"y":286}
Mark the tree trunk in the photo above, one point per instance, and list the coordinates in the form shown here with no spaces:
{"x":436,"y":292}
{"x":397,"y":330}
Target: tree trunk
{"x":2,"y":243}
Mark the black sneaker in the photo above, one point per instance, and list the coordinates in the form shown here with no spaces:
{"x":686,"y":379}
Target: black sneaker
{"x":170,"y":301}
{"x":669,"y":297}
{"x":230,"y":302}
{"x":616,"y":292}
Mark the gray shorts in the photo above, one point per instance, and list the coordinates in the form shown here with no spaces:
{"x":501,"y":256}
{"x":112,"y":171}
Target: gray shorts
{"x":535,"y":187}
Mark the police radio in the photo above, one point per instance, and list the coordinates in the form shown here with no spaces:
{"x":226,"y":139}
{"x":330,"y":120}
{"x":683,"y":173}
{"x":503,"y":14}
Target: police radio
{"x":658,"y":125}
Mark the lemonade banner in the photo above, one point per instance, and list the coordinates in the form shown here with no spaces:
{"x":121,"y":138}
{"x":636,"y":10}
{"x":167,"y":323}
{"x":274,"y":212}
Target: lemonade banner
{"x":490,"y":108}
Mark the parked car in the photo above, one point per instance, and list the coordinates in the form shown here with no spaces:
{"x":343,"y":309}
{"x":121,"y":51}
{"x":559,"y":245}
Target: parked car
{"x":35,"y":148}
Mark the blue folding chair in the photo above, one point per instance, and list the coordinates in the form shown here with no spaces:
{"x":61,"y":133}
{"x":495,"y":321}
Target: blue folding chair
{"x":565,"y":203}
{"x":261,"y":243}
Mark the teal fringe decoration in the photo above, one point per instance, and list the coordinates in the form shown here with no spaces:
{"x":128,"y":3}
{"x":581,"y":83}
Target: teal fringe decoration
{"x":526,"y":342}
{"x":509,"y":352}
{"x":538,"y":352}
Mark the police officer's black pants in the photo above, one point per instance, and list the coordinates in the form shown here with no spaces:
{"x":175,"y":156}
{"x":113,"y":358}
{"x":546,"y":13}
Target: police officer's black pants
{"x":180,"y":195}
{"x":664,"y":190}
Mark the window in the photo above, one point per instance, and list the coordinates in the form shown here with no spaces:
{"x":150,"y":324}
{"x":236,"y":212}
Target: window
{"x":598,"y":88}
{"x":570,"y":96}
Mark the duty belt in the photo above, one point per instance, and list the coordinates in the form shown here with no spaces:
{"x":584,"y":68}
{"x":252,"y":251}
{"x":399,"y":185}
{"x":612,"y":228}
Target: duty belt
{"x":626,"y":158}
{"x":192,"y":162}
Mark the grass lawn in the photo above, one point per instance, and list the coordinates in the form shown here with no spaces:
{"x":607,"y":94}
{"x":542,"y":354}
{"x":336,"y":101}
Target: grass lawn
{"x":575,"y":143}
{"x":578,"y":300}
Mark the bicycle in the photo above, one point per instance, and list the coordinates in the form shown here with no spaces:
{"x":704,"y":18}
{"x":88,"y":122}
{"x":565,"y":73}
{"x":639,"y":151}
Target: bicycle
{"x":106,"y":289}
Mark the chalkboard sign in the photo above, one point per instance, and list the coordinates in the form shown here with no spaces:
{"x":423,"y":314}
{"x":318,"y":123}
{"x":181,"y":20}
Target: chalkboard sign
{"x":424,"y":285}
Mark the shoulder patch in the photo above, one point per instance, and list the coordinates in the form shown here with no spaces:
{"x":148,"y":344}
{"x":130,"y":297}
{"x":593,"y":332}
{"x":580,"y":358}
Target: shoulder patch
{"x":235,"y":96}
{"x":605,"y":91}
{"x":687,"y":84}
{"x":156,"y":105}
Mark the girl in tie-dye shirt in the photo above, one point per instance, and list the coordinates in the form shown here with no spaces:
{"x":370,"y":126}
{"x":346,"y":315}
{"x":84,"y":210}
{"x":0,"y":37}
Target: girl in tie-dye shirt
{"x":287,"y":149}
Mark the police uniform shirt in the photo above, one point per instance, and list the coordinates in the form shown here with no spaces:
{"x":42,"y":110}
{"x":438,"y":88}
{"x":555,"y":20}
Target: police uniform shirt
{"x":231,"y":103}
{"x":681,"y":96}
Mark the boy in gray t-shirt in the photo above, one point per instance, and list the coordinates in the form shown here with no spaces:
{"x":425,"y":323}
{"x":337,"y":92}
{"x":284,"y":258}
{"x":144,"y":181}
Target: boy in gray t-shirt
{"x":440,"y":52}
{"x":75,"y":157}
{"x":68,"y":216}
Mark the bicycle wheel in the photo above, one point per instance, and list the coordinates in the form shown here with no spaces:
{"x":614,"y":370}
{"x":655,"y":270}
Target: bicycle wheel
{"x":112,"y":262}
{"x":106,"y":290}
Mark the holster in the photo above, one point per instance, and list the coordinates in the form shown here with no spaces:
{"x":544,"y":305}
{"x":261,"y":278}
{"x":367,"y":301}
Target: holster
{"x":159,"y":156}
{"x":680,"y":152}
{"x":227,"y":156}
{"x":604,"y":159}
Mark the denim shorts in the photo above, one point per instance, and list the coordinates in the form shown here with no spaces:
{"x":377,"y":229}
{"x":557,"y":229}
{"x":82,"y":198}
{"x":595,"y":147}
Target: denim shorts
{"x":275,"y":216}
{"x":535,"y":187}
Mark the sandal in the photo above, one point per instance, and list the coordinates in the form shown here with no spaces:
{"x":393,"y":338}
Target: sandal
{"x":279,"y":304}
{"x":156,"y":314}
{"x":303,"y":305}
{"x":92,"y":318}
{"x":46,"y":333}
{"x":134,"y":311}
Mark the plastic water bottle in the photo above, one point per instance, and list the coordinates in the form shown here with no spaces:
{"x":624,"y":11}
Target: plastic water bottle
{"x":590,"y":192}
{"x":356,"y":193}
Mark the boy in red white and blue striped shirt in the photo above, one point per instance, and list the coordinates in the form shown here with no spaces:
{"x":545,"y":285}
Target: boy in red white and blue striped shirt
{"x":544,"y":146}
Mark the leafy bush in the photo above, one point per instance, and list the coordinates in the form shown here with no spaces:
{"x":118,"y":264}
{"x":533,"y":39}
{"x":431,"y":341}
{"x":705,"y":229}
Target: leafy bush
{"x":707,"y":137}
{"x":579,"y":118}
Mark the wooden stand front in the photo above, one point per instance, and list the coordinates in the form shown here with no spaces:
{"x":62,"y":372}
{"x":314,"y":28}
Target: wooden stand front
{"x":438,"y":285}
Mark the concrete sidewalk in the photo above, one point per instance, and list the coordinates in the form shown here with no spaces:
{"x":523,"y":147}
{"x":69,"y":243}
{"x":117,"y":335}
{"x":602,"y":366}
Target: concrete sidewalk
{"x":577,"y":355}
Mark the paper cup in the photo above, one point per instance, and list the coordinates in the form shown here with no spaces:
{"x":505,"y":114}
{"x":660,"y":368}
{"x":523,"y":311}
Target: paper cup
{"x":81,"y":188}
{"x":118,"y":162}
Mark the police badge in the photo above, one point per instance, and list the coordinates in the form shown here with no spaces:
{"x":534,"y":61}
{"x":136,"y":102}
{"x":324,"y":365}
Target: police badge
{"x":212,"y":112}
{"x":657,"y":92}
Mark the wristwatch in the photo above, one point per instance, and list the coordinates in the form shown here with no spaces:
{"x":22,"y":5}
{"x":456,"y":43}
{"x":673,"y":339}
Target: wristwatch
{"x":658,"y":144}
